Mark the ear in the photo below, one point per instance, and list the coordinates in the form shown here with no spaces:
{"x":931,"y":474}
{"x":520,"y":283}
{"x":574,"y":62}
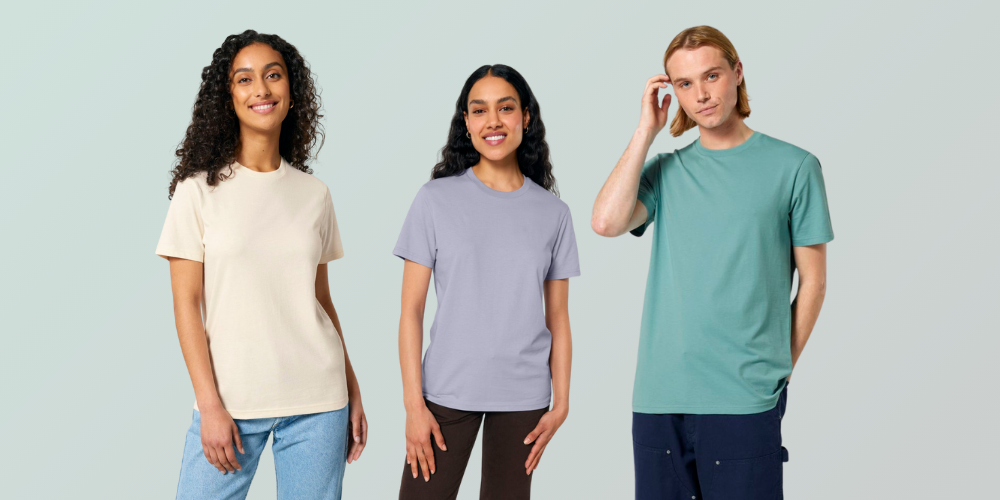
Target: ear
{"x":465,"y":116}
{"x":527,"y":118}
{"x":739,"y":73}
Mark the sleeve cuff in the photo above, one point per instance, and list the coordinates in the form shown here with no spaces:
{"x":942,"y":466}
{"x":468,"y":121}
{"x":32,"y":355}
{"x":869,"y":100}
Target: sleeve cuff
{"x":181,"y":254}
{"x":405,"y":254}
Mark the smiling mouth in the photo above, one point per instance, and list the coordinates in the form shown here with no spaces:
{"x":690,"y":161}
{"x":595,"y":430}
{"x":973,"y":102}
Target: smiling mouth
{"x":264,"y":107}
{"x":494,"y":139}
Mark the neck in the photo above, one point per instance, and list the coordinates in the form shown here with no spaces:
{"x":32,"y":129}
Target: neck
{"x":259,"y":150}
{"x":728,"y":135}
{"x":503,"y":175}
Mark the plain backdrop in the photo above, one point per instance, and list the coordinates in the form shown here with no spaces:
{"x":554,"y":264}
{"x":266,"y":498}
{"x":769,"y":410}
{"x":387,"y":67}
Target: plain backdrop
{"x":894,"y":397}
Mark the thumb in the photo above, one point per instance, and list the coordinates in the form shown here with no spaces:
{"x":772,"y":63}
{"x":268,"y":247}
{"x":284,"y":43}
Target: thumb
{"x":237,"y":439}
{"x":438,"y":437}
{"x":533,"y":435}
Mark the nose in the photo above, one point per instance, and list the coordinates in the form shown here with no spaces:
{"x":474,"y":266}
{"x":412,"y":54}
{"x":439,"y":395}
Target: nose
{"x":493,"y":120}
{"x":702,"y":93}
{"x":260,"y":88}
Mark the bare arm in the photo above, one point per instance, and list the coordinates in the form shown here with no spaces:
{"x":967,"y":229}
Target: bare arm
{"x":811,"y":264}
{"x":616,"y":210}
{"x":420,"y":422}
{"x":218,"y":431}
{"x":560,"y":361}
{"x":358,"y":420}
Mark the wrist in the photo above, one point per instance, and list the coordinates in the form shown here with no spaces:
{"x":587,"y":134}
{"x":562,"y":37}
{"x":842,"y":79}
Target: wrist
{"x":414,"y":404}
{"x":644,"y":135}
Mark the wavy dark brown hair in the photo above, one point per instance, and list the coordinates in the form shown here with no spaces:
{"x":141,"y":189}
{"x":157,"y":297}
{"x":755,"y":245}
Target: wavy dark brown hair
{"x":212,"y":140}
{"x":459,"y":154}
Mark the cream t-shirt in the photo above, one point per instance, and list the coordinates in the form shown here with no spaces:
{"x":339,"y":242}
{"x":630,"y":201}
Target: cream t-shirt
{"x":261,"y":236}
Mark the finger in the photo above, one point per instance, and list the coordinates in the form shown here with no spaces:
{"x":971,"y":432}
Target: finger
{"x":220,"y":453}
{"x":237,"y":439}
{"x":364,"y":437}
{"x":438,"y":437}
{"x":231,"y":457}
{"x":429,"y":456}
{"x":654,"y":84}
{"x":411,"y":458}
{"x":666,"y":102}
{"x":533,"y":435}
{"x":538,"y":459}
{"x":535,"y":450}
{"x":213,"y":459}
{"x":422,"y":460}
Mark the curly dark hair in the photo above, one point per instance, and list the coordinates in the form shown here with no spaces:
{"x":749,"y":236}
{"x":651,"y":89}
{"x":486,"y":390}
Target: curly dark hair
{"x":212,"y":140}
{"x":533,"y":152}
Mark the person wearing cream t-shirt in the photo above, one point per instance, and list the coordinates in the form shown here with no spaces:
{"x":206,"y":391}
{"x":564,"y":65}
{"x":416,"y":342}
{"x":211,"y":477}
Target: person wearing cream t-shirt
{"x":249,"y":233}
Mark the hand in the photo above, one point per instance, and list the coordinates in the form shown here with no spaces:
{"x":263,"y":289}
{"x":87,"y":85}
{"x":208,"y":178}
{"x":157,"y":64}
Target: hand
{"x":546,"y":428}
{"x":218,"y":433}
{"x":358,"y":428}
{"x":654,"y":114}
{"x":420,"y":425}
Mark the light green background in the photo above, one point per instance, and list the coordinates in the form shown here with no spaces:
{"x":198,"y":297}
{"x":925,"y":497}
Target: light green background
{"x":894,"y":397}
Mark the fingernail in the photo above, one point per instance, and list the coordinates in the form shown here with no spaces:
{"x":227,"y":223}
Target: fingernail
{"x":357,"y":439}
{"x":426,"y":479}
{"x":526,"y":441}
{"x":414,"y":476}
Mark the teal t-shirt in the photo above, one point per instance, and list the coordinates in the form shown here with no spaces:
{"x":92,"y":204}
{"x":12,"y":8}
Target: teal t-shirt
{"x":716,"y":321}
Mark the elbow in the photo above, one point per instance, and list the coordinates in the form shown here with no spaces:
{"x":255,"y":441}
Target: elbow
{"x":603,"y":227}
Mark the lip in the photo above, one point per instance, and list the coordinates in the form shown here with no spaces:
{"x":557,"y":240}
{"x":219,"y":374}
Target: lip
{"x":707,"y":110}
{"x":494,"y":142}
{"x":268,"y":107}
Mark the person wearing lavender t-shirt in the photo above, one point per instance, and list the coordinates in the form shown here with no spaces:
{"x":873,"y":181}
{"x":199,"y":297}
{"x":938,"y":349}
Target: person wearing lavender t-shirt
{"x":501,"y":246}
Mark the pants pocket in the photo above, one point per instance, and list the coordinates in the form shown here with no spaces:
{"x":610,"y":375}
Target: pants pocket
{"x":747,"y":479}
{"x":655,"y":477}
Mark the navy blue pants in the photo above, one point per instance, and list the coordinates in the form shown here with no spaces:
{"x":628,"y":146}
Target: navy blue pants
{"x":711,"y":457}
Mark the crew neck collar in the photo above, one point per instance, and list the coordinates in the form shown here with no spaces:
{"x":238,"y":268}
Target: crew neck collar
{"x":493,"y":192}
{"x":726,"y":152}
{"x":264,"y":176}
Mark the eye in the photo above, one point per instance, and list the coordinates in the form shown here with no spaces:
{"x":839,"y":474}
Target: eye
{"x":684,"y":85}
{"x":508,"y":108}
{"x":243,"y":80}
{"x":477,"y":111}
{"x":713,"y":76}
{"x":275,"y":74}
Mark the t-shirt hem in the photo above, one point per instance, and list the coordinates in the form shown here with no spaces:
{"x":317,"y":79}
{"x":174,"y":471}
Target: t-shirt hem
{"x":704,"y":410}
{"x":286,"y":412}
{"x":559,"y":275}
{"x":458,"y":404}
{"x":804,"y":242}
{"x":331,"y":257}
{"x":181,"y":254}
{"x":403,"y":253}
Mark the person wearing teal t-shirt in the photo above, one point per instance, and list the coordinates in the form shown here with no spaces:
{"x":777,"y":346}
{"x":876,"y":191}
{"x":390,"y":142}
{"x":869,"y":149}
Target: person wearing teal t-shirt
{"x":733,"y":216}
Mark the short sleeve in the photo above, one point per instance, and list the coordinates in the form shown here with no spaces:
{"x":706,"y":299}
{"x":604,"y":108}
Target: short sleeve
{"x":649,"y":195}
{"x":809,"y":217}
{"x":333,"y":248}
{"x":565,"y":259}
{"x":184,"y":230}
{"x":417,"y":241}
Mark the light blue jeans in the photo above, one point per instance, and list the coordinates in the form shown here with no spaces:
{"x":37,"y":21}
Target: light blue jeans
{"x":310,"y":454}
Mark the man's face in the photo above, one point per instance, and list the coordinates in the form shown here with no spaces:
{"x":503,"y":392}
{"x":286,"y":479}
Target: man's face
{"x":705,"y":84}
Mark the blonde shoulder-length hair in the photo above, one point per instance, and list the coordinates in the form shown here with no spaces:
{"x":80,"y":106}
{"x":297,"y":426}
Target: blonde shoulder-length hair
{"x":700,"y":36}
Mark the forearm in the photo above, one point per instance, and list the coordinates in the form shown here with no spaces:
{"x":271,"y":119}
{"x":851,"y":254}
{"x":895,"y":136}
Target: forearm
{"x":353,"y":388}
{"x":194,"y":347}
{"x":560,"y":363}
{"x":805,"y":311}
{"x":411,"y":339}
{"x":616,"y":201}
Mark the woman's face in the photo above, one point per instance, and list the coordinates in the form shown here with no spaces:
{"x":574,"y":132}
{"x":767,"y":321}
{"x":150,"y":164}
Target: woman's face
{"x":496,"y":118}
{"x":259,"y":85}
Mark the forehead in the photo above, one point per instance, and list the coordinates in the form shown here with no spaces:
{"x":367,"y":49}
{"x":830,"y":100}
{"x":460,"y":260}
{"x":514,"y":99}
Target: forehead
{"x":491,"y":88}
{"x":256,"y":55}
{"x":686,"y":63}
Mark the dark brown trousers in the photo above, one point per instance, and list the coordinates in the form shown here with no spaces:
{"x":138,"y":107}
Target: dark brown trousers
{"x":504,"y":454}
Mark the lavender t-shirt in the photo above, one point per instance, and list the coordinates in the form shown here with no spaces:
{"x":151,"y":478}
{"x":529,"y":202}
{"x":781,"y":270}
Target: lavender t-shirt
{"x":490,"y":252}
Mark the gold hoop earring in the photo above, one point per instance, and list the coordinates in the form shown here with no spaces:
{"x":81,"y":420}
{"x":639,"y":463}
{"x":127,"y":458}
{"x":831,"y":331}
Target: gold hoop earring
{"x":291,"y":104}
{"x":467,"y":134}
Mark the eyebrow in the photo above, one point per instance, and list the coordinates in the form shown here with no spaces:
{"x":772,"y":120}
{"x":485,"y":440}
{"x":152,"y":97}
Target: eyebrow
{"x":709,"y":70}
{"x":502,"y":99}
{"x":249,"y":70}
